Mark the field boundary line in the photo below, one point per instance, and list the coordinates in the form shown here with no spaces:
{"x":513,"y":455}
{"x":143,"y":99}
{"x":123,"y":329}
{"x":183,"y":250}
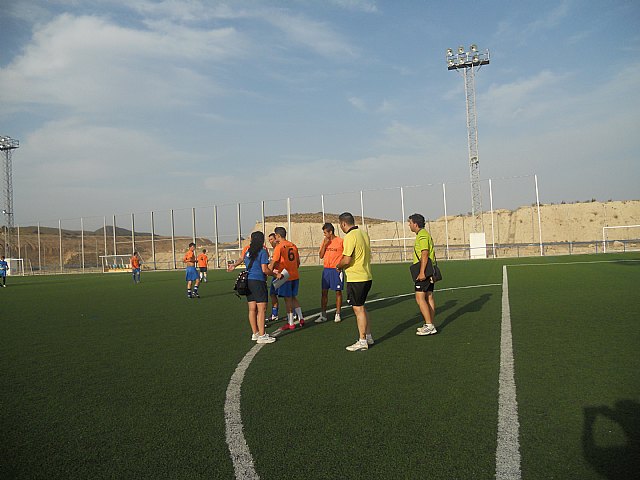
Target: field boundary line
{"x":508,"y":447}
{"x":241,"y":458}
{"x":568,"y":263}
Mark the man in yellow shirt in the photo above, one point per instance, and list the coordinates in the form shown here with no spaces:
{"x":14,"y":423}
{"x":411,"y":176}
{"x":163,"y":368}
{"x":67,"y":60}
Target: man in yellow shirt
{"x":423,"y":251}
{"x":356,"y":262}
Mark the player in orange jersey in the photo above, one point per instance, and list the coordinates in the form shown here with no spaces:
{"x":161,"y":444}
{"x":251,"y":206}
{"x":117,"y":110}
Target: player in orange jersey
{"x":203,"y":263}
{"x":286,"y":257}
{"x":332,"y":279}
{"x":135,"y":267}
{"x":192,"y":276}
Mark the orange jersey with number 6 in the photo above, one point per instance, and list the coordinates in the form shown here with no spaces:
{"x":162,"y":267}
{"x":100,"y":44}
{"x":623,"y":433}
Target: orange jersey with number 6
{"x":285,"y":255}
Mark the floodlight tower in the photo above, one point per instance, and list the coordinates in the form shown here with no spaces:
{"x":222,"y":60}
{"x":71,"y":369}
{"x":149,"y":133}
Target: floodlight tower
{"x":468,"y":62}
{"x":7,"y":145}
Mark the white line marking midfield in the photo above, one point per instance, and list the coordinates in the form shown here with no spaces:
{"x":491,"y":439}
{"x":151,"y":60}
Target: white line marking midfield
{"x":238,"y":448}
{"x":508,"y":449}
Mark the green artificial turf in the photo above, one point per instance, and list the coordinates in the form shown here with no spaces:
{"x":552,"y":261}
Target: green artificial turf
{"x":100,"y":378}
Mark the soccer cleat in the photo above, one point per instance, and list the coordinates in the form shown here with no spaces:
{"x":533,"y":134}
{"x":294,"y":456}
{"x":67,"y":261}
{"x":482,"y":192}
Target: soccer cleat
{"x":286,"y":326}
{"x":274,"y":318}
{"x":302,"y":322}
{"x":255,"y":337}
{"x":370,"y":340}
{"x":321,"y":319}
{"x":358,"y":346}
{"x":426,"y":329}
{"x":337,"y":318}
{"x":265,"y":339}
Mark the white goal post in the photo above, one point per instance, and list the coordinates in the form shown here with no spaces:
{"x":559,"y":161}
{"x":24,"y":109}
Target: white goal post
{"x":606,"y":230}
{"x":16,"y":266}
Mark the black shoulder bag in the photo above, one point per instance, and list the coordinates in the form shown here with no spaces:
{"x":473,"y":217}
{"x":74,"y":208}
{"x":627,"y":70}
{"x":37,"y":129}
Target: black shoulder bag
{"x":242,"y":282}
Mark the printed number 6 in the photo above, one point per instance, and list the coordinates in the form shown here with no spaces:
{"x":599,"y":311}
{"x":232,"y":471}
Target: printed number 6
{"x":291,"y":255}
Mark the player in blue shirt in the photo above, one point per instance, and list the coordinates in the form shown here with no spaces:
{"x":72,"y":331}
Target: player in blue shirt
{"x":4,"y":266}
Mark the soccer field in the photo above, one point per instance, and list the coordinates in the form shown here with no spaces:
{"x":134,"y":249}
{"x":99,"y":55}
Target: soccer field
{"x":101,"y":378}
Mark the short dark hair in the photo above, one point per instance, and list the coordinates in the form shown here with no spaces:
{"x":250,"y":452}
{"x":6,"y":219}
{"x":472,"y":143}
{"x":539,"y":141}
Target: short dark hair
{"x":347,"y":218}
{"x":192,"y":245}
{"x":329,"y":227}
{"x":272,"y":235}
{"x":280,"y":231}
{"x":417,"y":219}
{"x":204,"y":250}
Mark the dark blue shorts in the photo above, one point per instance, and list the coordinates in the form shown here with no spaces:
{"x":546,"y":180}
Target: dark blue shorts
{"x":289,"y":288}
{"x":258,"y":289}
{"x":192,"y":274}
{"x":332,"y":279}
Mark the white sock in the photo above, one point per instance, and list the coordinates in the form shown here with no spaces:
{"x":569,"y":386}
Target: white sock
{"x":369,"y":337}
{"x":299,"y":313}
{"x":290,"y":317}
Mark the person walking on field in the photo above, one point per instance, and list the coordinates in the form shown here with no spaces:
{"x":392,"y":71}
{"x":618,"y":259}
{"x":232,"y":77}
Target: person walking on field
{"x":332,"y":279}
{"x":135,"y":267}
{"x":4,"y":267}
{"x":356,"y":262}
{"x":192,"y":277}
{"x":423,"y":251}
{"x":256,"y":259}
{"x":203,"y":264}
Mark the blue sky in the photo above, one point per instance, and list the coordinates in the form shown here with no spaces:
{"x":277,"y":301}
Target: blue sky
{"x":135,"y":105}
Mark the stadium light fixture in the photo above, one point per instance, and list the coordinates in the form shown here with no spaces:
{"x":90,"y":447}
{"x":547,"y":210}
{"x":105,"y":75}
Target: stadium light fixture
{"x":468,"y":62}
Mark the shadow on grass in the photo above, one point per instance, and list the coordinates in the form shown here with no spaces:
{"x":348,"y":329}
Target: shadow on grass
{"x":473,"y":306}
{"x":411,"y":322}
{"x":613,"y":461}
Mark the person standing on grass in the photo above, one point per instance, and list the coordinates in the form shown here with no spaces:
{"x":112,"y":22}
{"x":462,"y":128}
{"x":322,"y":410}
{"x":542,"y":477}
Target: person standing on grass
{"x":286,"y":257}
{"x":135,"y":267}
{"x":356,"y":262}
{"x":256,"y":256}
{"x":423,"y":251}
{"x":272,"y":290}
{"x":192,"y":277}
{"x":332,"y":279}
{"x":4,"y":267}
{"x":203,"y":263}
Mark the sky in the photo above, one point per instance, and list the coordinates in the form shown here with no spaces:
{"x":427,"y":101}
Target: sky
{"x":138,"y":105}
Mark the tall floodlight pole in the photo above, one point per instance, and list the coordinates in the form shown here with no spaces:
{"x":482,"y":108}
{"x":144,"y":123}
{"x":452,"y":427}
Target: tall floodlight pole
{"x":7,"y":146}
{"x":468,"y":62}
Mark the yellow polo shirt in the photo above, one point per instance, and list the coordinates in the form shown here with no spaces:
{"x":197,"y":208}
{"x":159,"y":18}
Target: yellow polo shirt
{"x":356,"y":245}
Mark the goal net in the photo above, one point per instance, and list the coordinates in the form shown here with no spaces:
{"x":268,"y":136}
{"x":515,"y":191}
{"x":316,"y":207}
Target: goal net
{"x":621,"y":238}
{"x":16,"y":266}
{"x":116,"y":263}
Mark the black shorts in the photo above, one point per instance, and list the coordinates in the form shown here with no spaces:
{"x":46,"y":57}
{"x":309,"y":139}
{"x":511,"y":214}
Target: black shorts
{"x":203,"y":269}
{"x":425,"y":286}
{"x":357,"y":292}
{"x":258,"y":289}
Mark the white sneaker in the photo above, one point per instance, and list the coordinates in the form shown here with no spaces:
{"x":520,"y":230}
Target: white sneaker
{"x":255,"y":337}
{"x":321,"y":319}
{"x":266,"y":339}
{"x":337,"y":318}
{"x":359,"y":345}
{"x":426,"y":329}
{"x":274,"y":318}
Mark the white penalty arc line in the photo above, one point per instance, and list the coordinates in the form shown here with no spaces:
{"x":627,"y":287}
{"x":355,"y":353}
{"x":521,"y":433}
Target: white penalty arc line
{"x":241,"y":457}
{"x":508,"y":445}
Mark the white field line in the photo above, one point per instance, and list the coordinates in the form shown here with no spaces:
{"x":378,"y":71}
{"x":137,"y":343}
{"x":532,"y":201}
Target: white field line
{"x":508,"y":449}
{"x":567,"y":263}
{"x":238,"y":448}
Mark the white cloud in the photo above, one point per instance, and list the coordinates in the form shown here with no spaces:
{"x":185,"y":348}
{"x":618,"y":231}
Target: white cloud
{"x":89,"y":63}
{"x":358,"y":103}
{"x":358,"y":5}
{"x":314,"y":35}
